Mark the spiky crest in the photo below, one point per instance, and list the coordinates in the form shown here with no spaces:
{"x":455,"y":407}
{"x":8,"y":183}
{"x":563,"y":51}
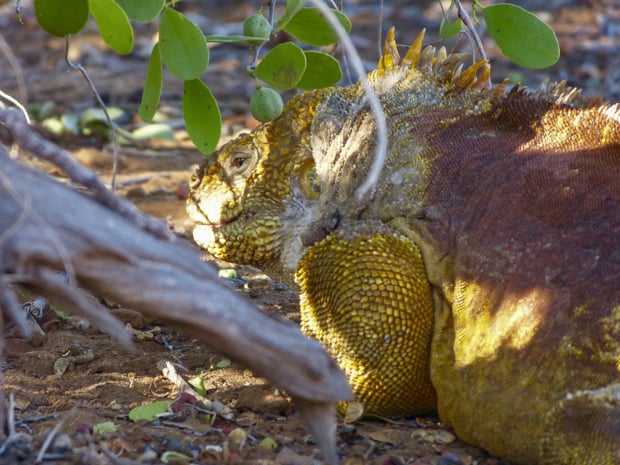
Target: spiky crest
{"x":429,"y":60}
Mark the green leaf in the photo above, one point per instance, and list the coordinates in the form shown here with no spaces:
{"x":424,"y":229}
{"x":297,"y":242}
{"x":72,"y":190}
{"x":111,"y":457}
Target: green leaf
{"x":60,"y":312}
{"x":71,"y":123}
{"x":148,"y":412}
{"x":173,"y":456}
{"x":105,"y":427}
{"x":114,"y":25}
{"x":183,"y":46}
{"x":55,"y":126}
{"x":202,"y":116}
{"x":283,"y":66}
{"x":224,"y":363}
{"x":152,"y":131}
{"x":197,"y":382}
{"x":60,"y":17}
{"x":322,"y":70}
{"x":292,"y":7}
{"x":93,"y":120}
{"x":522,"y":36}
{"x":449,"y":29}
{"x":142,"y":11}
{"x":94,"y":115}
{"x":152,"y":86}
{"x":227,"y":273}
{"x":41,"y":110}
{"x":268,"y":443}
{"x":310,"y":27}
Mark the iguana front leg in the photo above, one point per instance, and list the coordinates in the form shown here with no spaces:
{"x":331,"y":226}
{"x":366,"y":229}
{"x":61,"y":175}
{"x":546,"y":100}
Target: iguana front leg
{"x":366,"y":297}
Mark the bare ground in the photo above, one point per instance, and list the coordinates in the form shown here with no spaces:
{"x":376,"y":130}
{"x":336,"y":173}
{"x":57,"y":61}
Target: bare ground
{"x":258,"y":424}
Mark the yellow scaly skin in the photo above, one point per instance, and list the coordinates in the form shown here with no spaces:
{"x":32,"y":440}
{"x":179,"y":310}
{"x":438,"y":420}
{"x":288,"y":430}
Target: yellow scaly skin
{"x":481,"y":276}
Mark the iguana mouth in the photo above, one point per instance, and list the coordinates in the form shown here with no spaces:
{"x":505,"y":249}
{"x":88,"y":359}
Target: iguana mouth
{"x":207,"y":223}
{"x":242,"y":217}
{"x":201,"y":218}
{"x":224,"y":239}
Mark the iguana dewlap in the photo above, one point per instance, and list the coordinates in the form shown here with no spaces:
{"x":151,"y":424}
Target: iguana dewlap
{"x":481,"y":276}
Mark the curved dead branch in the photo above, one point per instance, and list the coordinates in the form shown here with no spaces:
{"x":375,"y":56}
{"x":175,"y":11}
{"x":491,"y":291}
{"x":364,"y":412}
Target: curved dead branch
{"x":46,"y":227}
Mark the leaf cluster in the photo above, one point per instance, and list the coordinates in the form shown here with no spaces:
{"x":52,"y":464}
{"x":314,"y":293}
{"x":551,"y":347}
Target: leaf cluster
{"x":183,"y":50}
{"x":288,"y":66}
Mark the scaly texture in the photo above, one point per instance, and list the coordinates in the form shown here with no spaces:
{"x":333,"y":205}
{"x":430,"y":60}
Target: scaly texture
{"x":376,"y":272}
{"x":484,"y":268}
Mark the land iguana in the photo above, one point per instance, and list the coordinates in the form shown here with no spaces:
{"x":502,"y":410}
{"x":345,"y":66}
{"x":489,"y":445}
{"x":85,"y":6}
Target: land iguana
{"x":480,"y":277}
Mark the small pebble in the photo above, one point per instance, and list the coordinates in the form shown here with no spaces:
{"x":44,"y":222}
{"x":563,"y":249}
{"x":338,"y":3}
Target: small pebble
{"x":62,"y":444}
{"x":449,"y":458}
{"x":149,"y":455}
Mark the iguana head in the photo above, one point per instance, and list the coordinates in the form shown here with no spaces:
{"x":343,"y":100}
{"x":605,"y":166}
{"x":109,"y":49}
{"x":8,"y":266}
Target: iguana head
{"x":250,"y":197}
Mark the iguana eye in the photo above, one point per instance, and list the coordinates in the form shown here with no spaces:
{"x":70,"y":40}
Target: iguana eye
{"x":241,"y":163}
{"x":238,"y":162}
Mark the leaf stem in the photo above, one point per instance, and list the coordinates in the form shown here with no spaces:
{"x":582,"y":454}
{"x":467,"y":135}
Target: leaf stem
{"x":471,"y":33}
{"x":80,"y":68}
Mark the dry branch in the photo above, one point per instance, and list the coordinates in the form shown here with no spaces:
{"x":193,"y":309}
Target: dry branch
{"x":30,"y":140}
{"x":46,"y":227}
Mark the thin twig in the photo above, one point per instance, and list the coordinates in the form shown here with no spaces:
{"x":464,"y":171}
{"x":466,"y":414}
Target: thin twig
{"x":3,"y":412}
{"x":169,"y":371}
{"x":381,"y":148}
{"x":345,"y":61}
{"x":470,"y":30}
{"x":24,"y":201}
{"x":18,"y":12}
{"x":8,"y":300}
{"x":38,"y":418}
{"x":13,"y":101}
{"x":11,"y":418}
{"x":11,"y":307}
{"x":184,"y":427}
{"x":17,"y":71}
{"x":48,"y":440}
{"x":259,"y":47}
{"x":380,"y":27}
{"x":142,"y":179}
{"x":80,"y":68}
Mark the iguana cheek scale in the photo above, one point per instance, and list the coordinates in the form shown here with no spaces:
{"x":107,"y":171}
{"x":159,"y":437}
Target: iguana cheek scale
{"x":481,"y":276}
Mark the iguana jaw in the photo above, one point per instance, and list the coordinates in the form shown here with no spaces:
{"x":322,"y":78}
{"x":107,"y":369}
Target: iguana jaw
{"x":258,"y":237}
{"x":231,"y":241}
{"x":254,"y":231}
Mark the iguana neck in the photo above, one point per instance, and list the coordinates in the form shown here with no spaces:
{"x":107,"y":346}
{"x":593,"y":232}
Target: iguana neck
{"x":416,"y":105}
